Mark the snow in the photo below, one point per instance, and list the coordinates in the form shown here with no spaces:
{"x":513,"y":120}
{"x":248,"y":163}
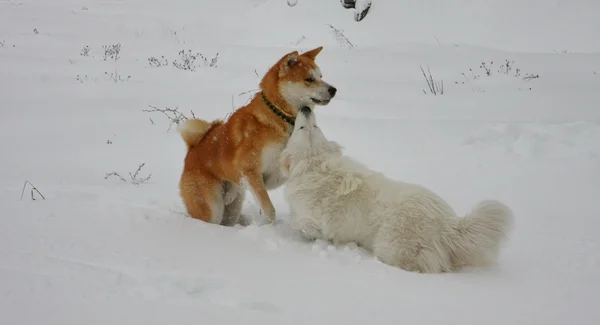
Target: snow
{"x":104,"y":251}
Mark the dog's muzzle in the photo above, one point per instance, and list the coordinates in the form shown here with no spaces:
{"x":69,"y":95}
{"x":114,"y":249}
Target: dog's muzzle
{"x":306,"y":111}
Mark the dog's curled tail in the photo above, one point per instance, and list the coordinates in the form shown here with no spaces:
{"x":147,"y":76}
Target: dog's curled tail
{"x":193,"y":130}
{"x":477,"y":237}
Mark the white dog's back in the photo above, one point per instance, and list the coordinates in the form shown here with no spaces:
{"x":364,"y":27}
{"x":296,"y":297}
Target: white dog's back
{"x":333,"y":197}
{"x":422,"y":233}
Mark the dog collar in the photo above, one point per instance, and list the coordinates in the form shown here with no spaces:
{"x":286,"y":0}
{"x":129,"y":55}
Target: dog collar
{"x":276,"y":110}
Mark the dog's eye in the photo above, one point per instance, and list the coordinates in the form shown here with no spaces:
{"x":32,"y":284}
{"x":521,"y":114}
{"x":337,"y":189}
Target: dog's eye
{"x":316,"y":127}
{"x":309,"y":80}
{"x":301,"y":128}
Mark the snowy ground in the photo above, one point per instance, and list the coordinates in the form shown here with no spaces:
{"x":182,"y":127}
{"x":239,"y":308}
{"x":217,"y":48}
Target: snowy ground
{"x":102,"y":251}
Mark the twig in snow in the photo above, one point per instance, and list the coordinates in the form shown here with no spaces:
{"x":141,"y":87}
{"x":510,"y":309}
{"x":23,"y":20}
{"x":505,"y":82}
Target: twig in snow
{"x":341,"y":38}
{"x":116,"y":77}
{"x":112,"y":51}
{"x":115,"y":174}
{"x":33,"y":188}
{"x":239,"y":95}
{"x":134,"y":177}
{"x":173,"y":114}
{"x":158,"y":62}
{"x":188,"y":60}
{"x":135,"y":180}
{"x":435,"y":87}
{"x":488,"y":70}
{"x":85,"y":51}
{"x":469,"y":83}
{"x":530,"y":76}
{"x":247,"y":92}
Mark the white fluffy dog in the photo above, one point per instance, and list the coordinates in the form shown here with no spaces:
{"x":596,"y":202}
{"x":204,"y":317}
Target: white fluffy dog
{"x":405,"y":225}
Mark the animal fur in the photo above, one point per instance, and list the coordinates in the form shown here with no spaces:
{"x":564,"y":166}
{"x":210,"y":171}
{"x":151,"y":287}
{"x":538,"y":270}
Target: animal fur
{"x":335,"y":198}
{"x":226,"y":157}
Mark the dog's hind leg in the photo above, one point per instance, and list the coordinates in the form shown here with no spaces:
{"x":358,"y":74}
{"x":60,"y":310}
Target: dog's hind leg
{"x":230,"y":192}
{"x":410,"y":243}
{"x":234,"y":199}
{"x":388,"y":249}
{"x":202,"y":197}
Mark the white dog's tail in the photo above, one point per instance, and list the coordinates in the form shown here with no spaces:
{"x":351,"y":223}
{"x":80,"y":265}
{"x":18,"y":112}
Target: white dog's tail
{"x":476,"y":238}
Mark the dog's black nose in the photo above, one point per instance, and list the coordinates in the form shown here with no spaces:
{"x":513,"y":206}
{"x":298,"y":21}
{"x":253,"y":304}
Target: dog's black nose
{"x":332,"y":91}
{"x":305,"y":111}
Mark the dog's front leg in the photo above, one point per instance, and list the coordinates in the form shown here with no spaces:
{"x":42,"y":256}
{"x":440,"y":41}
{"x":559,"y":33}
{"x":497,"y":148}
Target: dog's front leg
{"x":306,"y":226}
{"x":257,"y":187}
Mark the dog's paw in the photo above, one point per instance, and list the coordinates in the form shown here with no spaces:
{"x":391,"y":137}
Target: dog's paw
{"x":269,"y":218}
{"x":244,"y":220}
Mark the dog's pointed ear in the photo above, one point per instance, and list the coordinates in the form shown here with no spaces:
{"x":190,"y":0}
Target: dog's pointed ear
{"x":313,"y":53}
{"x":288,"y":62}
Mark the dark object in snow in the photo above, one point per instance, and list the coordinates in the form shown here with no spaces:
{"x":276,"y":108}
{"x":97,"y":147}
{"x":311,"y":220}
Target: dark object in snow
{"x":361,"y":7}
{"x":33,"y":188}
{"x":359,"y":15}
{"x":348,"y":4}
